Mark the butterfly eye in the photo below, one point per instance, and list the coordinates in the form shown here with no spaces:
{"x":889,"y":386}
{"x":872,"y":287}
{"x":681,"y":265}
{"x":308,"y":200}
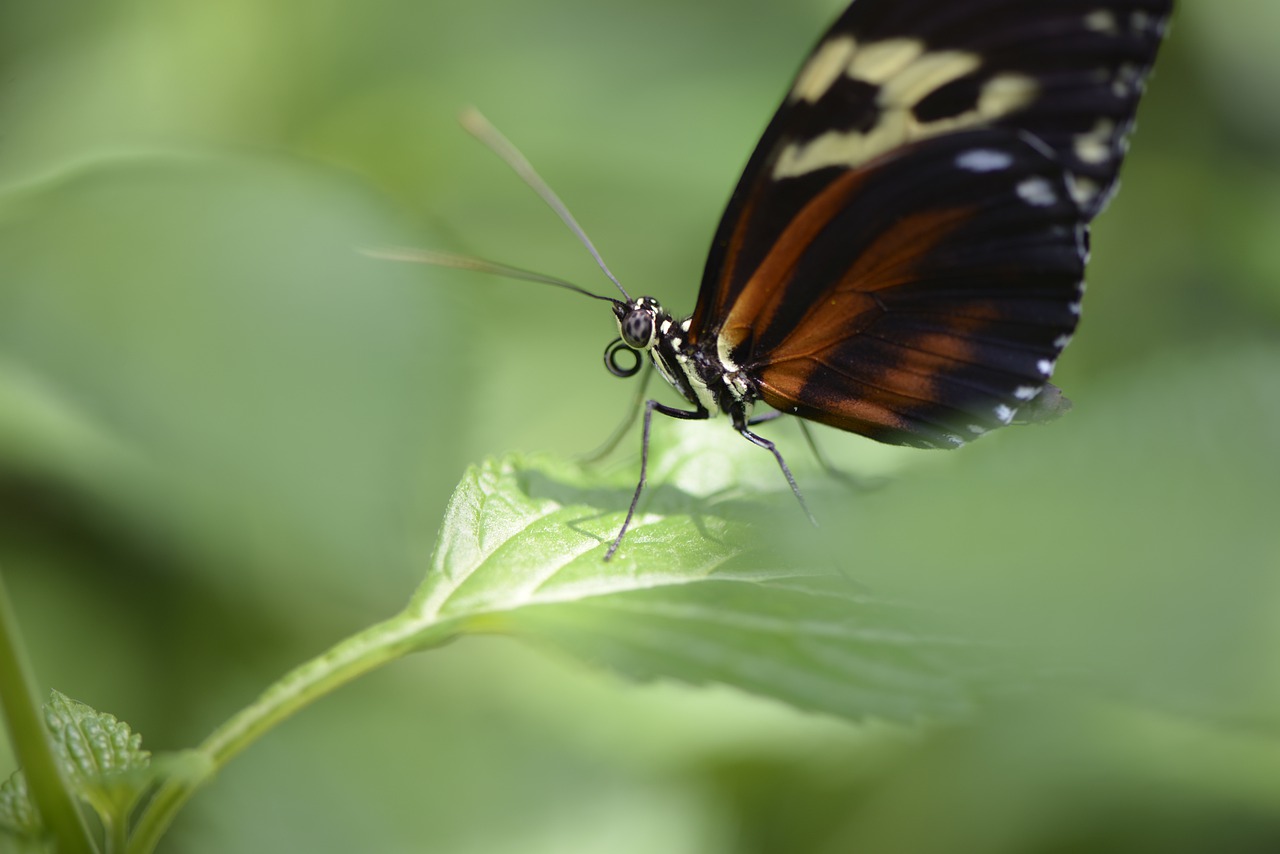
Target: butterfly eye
{"x":637,"y":328}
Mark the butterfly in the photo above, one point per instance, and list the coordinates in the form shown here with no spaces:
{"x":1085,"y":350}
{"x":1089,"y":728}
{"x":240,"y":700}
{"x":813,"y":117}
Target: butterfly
{"x":903,"y":257}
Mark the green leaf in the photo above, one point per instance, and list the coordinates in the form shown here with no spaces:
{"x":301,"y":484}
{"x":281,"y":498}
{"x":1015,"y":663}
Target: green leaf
{"x":102,"y":752}
{"x":693,"y":594}
{"x":1128,"y":550}
{"x":17,"y":816}
{"x":102,"y":757}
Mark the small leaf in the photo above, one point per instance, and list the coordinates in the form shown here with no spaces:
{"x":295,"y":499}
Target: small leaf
{"x":102,"y":758}
{"x":106,"y":760}
{"x":17,"y":815}
{"x":691,"y":595}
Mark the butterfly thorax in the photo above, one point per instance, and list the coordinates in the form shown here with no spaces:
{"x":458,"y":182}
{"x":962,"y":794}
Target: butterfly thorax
{"x":698,"y":374}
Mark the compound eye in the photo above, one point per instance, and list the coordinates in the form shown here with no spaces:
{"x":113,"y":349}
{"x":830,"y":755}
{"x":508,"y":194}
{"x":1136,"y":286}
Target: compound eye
{"x":637,"y":329}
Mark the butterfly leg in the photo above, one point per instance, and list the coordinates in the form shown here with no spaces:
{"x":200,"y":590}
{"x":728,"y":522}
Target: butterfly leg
{"x":771,"y":415}
{"x":831,"y":469}
{"x":742,"y":425}
{"x":650,"y":407}
{"x":637,"y":401}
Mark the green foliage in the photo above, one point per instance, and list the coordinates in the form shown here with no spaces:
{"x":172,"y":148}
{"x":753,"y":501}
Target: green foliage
{"x":104,"y":757}
{"x":103,"y":761}
{"x":692,"y":595}
{"x":18,"y":818}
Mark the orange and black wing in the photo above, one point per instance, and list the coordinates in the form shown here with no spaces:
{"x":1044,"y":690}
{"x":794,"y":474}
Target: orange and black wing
{"x":872,"y":271}
{"x":962,"y":288}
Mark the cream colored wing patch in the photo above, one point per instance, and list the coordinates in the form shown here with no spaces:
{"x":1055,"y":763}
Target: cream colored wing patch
{"x":905,"y":73}
{"x":824,"y":68}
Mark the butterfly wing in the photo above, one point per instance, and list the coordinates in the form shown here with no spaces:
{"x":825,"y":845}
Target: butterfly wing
{"x":920,"y":300}
{"x":901,"y":85}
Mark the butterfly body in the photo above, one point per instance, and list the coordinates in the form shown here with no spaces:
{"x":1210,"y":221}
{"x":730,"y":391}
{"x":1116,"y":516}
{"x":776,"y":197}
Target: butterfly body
{"x":703,"y":376}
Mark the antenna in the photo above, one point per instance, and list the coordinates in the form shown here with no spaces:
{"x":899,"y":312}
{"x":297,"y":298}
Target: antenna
{"x":481,"y":128}
{"x":479,"y":265}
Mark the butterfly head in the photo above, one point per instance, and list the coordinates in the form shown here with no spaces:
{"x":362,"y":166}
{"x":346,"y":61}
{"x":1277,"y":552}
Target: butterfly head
{"x":639,"y":322}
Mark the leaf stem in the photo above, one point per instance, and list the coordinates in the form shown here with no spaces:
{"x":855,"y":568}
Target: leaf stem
{"x":359,"y":654}
{"x":50,"y":792}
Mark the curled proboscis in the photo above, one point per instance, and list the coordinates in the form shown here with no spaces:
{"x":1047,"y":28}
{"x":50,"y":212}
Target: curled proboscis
{"x":617,"y":368}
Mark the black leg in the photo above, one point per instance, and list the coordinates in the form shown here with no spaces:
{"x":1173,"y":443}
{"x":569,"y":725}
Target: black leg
{"x":771,"y":415}
{"x":741,"y":424}
{"x":630,"y":418}
{"x":649,"y":407}
{"x":827,"y":466}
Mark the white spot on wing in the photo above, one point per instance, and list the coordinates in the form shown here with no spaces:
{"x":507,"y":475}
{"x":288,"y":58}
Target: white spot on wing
{"x":1094,"y":147}
{"x":1045,"y":367}
{"x":1037,"y":191}
{"x":1062,"y":341}
{"x":984,"y":160}
{"x":1027,"y":392}
{"x":1084,"y":190}
{"x":1003,"y":414}
{"x":1103,"y":21}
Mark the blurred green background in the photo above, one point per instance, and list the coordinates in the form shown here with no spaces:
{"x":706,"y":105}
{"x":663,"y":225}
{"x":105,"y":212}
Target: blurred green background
{"x":226,"y":438}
